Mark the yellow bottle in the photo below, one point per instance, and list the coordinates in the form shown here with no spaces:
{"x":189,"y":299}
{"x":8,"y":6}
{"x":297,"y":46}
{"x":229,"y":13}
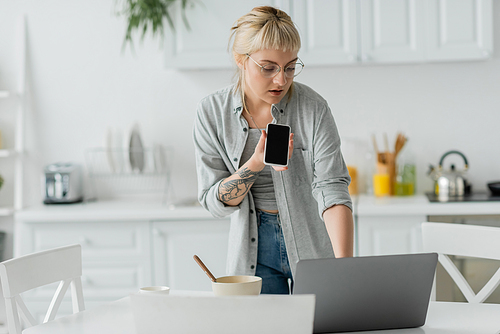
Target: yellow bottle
{"x":381,"y":185}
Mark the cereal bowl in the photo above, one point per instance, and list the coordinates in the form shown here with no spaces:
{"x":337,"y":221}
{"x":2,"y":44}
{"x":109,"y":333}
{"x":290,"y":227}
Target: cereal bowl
{"x":237,"y":285}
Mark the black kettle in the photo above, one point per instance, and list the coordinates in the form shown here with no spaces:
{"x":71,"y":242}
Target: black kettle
{"x":451,"y":182}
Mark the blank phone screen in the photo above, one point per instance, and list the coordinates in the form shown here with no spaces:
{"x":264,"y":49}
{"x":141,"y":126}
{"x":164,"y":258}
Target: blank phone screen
{"x":277,"y":140}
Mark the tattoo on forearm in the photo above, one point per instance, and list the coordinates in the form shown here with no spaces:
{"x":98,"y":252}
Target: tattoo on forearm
{"x":233,"y":189}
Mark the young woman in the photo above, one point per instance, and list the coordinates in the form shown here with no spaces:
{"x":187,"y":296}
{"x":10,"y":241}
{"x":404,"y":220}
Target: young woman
{"x":279,"y":215}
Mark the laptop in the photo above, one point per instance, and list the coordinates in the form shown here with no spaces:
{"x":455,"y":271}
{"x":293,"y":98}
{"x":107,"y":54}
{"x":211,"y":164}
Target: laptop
{"x":368,"y":293}
{"x":199,"y":313}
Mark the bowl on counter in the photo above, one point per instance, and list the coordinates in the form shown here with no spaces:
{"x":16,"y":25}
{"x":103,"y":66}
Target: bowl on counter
{"x":237,"y":285}
{"x":494,"y":188}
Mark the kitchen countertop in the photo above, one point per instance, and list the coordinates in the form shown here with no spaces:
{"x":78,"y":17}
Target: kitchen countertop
{"x":367,"y":205}
{"x":119,"y":210}
{"x":125,"y":210}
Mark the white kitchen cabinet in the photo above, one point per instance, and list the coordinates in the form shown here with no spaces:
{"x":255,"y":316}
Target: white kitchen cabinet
{"x":391,"y":31}
{"x":384,"y":235}
{"x":352,"y":32}
{"x":459,"y":30}
{"x":392,"y":225}
{"x":328,"y":31}
{"x":336,"y":32}
{"x":175,"y":243}
{"x":125,"y":246}
{"x":116,"y":257}
{"x":206,"y":44}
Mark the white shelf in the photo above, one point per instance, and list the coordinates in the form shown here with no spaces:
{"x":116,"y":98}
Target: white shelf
{"x":6,"y":212}
{"x":18,"y":109}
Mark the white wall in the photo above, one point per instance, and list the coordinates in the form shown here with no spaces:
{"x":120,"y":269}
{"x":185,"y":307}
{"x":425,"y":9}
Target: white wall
{"x":80,"y":83}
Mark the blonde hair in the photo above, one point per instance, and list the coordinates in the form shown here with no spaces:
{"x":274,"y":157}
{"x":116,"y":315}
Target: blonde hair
{"x":262,"y":28}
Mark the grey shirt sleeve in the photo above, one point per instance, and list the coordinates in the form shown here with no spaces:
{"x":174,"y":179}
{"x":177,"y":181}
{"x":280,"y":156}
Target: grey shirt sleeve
{"x":331,"y":177}
{"x":211,"y":166}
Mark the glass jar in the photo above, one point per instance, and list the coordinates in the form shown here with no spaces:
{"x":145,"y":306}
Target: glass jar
{"x":405,"y":173}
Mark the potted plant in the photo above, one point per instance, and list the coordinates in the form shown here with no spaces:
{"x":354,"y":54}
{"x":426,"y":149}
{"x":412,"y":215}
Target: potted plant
{"x":150,"y":15}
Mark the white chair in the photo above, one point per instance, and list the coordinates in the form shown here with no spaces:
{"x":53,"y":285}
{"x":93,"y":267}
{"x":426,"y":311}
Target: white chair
{"x":463,"y":240}
{"x":24,"y":273}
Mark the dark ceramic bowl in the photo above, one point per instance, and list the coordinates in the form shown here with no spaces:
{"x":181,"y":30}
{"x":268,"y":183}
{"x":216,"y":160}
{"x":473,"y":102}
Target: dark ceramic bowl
{"x":494,"y":188}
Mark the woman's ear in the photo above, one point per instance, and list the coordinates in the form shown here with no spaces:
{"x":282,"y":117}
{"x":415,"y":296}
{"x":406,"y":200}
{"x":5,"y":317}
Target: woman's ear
{"x":240,"y":61}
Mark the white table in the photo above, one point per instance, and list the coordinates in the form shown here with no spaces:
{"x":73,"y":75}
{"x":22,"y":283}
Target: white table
{"x":443,"y":318}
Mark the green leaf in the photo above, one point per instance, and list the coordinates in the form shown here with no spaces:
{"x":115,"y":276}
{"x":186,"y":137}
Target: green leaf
{"x":149,"y":15}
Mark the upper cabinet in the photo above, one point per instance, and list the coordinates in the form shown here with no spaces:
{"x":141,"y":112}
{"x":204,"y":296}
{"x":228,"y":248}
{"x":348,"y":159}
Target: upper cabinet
{"x":205,"y":44}
{"x":328,"y":31}
{"x":337,"y":32}
{"x":366,"y":31}
{"x":459,"y":30}
{"x":391,"y":31}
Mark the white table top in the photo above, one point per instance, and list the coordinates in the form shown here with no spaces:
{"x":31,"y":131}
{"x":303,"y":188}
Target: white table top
{"x":442,"y":318}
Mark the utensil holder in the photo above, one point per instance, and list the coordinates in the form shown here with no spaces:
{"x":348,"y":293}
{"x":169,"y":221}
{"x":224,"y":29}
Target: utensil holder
{"x":386,"y":164}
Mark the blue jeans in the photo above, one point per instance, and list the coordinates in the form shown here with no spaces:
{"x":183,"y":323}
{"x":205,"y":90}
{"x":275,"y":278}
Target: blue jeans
{"x":272,"y":259}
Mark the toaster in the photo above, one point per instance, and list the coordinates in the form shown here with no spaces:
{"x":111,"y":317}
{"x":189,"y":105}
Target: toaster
{"x":62,"y":183}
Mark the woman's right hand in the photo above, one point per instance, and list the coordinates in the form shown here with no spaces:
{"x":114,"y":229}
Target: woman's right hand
{"x":258,"y":155}
{"x":233,"y":189}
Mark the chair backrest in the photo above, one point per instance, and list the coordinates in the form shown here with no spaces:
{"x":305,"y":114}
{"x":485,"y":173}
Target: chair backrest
{"x":27,"y":272}
{"x":464,"y":240}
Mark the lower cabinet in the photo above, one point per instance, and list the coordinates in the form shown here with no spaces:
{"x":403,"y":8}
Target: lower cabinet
{"x":174,"y":245}
{"x":120,"y":257}
{"x":384,"y":235}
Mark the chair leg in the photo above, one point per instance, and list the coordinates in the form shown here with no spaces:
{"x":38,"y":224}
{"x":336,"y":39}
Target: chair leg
{"x":433,"y":291}
{"x":56,"y":300}
{"x":77,"y":295}
{"x":13,"y":321}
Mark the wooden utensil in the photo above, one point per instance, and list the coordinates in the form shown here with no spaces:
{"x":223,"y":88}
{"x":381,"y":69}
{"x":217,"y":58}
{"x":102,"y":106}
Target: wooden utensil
{"x":386,"y":142}
{"x":400,"y":142}
{"x":380,"y":155}
{"x":204,"y":268}
{"x":375,"y":144}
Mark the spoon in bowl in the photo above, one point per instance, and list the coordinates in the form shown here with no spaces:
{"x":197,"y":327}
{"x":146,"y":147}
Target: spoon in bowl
{"x":204,"y":268}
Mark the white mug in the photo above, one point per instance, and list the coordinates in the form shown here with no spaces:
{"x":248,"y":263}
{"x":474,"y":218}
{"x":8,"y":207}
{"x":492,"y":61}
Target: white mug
{"x":164,"y":290}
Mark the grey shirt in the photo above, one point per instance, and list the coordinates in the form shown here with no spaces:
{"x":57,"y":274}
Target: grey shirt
{"x":316,"y":179}
{"x":263,"y":188}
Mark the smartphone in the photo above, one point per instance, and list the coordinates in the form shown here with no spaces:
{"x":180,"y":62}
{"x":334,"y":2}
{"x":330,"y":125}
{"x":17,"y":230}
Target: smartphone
{"x":276,"y":147}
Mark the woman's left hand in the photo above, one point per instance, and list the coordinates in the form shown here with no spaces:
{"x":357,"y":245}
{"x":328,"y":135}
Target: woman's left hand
{"x":290,"y":151}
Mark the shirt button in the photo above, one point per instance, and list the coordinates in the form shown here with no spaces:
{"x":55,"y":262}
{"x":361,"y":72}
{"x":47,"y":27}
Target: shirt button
{"x":253,"y":239}
{"x":244,"y":129}
{"x":235,"y":159}
{"x":281,"y":110}
{"x":251,"y":211}
{"x":252,"y":266}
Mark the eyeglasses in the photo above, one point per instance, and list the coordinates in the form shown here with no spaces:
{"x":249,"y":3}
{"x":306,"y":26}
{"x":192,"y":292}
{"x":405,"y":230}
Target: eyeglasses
{"x":271,"y":70}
